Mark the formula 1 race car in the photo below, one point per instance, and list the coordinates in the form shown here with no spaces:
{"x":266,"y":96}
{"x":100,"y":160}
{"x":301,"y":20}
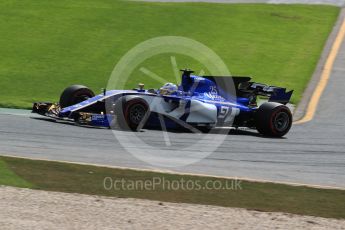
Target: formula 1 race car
{"x":201,"y":103}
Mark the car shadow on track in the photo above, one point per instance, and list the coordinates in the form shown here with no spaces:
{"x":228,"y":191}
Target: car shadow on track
{"x":69,"y":123}
{"x":215,"y":131}
{"x":240,"y":132}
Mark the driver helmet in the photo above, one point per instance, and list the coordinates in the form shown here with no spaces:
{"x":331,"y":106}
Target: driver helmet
{"x":168,"y":89}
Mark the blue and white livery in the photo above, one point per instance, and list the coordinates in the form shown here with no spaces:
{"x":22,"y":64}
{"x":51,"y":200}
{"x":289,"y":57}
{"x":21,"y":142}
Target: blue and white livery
{"x":199,"y":102}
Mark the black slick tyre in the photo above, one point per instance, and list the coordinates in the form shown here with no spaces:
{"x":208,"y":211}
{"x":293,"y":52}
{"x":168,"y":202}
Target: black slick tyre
{"x":130,"y":112}
{"x":273,"y":119}
{"x":74,"y":95}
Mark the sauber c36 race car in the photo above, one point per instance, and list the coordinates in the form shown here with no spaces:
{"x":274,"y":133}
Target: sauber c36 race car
{"x":199,"y":102}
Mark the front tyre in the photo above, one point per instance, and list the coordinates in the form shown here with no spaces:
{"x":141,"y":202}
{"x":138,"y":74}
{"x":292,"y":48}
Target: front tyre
{"x":74,"y":95}
{"x":273,"y":119}
{"x":131,"y":112}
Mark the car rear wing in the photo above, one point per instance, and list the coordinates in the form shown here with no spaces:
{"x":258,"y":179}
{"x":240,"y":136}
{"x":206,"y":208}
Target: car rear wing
{"x":274,"y":93}
{"x":245,"y":88}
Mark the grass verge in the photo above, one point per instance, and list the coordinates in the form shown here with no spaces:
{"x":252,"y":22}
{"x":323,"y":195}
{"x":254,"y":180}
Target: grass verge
{"x":74,"y":178}
{"x":46,"y":46}
{"x":8,"y":177}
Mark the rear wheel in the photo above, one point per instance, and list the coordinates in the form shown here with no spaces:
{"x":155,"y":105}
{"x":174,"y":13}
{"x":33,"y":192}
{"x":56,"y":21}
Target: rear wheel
{"x":273,"y":119}
{"x":74,"y":95}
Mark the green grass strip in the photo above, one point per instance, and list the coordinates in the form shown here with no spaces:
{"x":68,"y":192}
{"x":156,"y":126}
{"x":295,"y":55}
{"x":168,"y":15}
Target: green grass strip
{"x":74,"y":178}
{"x":46,"y":46}
{"x":8,"y":177}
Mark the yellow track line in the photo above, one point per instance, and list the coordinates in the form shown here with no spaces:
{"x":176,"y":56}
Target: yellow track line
{"x":309,"y":115}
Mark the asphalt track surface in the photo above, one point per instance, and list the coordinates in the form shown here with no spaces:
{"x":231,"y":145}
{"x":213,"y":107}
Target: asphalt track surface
{"x":312,"y":153}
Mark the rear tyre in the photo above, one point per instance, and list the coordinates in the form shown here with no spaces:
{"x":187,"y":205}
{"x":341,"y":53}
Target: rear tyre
{"x":273,"y":119}
{"x":130,"y":113}
{"x":74,"y":95}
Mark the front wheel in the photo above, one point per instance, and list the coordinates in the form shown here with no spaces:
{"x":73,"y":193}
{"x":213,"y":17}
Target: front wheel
{"x":131,"y":112}
{"x":273,"y":119}
{"x":74,"y":95}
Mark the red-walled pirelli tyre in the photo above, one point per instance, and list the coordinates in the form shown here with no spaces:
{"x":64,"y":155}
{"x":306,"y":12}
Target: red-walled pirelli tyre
{"x":130,"y":112}
{"x":74,"y":95}
{"x":273,"y":119}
